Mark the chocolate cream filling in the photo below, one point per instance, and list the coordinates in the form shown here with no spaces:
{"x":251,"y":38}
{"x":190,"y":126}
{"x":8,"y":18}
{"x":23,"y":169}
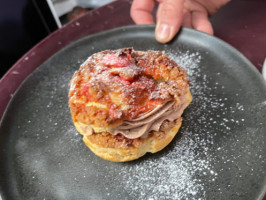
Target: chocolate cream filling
{"x":149,"y":121}
{"x":152,"y":120}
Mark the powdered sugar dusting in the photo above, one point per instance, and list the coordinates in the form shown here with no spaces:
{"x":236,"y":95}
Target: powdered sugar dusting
{"x":183,"y":171}
{"x":219,"y":152}
{"x":172,"y":176}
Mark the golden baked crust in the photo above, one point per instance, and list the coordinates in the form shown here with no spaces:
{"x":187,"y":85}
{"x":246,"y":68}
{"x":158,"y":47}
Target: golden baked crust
{"x":115,"y":86}
{"x":97,"y":104}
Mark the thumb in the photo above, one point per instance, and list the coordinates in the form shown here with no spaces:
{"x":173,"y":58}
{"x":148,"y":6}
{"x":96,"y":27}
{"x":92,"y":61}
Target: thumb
{"x":169,"y":18}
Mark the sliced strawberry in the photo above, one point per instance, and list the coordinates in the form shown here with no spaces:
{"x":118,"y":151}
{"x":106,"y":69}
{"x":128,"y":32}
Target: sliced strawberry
{"x":85,"y":90}
{"x":111,"y":60}
{"x":126,"y":78}
{"x":128,"y":56}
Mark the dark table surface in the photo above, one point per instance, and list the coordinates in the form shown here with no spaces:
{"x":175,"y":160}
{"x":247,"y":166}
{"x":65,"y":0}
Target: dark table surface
{"x":241,"y":23}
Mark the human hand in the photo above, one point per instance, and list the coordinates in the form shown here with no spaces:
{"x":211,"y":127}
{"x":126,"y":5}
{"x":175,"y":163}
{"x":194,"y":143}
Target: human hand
{"x":172,"y":14}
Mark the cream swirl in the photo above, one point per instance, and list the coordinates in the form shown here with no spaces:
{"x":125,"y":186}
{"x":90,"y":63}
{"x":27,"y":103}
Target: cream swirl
{"x":152,"y":120}
{"x":147,"y":122}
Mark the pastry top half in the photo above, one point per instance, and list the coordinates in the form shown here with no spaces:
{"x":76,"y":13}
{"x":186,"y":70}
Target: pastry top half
{"x":127,"y":92}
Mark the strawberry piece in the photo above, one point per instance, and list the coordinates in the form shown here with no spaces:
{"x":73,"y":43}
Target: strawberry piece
{"x":128,"y":56}
{"x":85,"y":90}
{"x":111,"y":60}
{"x":126,"y":78}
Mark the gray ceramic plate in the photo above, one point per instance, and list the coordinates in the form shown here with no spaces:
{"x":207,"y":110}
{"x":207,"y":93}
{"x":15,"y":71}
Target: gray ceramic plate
{"x":218,"y":154}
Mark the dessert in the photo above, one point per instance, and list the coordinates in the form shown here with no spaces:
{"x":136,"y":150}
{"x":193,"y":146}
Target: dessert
{"x":126,"y":103}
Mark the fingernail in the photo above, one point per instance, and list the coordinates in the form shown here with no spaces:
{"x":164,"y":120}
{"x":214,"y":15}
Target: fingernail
{"x":163,"y":32}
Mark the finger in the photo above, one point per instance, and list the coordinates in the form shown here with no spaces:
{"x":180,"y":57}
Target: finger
{"x":169,"y":18}
{"x":200,"y":22}
{"x":212,"y":6}
{"x":186,"y":19}
{"x":141,"y":11}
